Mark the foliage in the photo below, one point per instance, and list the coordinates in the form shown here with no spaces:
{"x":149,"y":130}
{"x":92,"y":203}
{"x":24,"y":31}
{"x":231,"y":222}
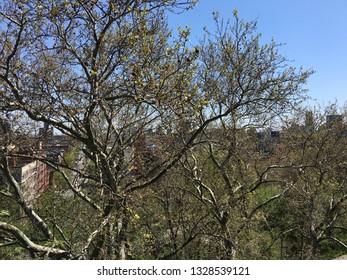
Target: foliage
{"x":166,"y":158}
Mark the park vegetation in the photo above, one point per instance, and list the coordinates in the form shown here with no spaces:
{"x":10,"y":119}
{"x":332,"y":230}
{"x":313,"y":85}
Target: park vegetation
{"x":167,"y":160}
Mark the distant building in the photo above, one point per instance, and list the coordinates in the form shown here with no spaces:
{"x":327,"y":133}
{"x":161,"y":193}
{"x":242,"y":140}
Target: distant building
{"x":33,"y":175}
{"x":26,"y":167}
{"x":46,"y":132}
{"x":53,"y":145}
{"x":268,"y":141}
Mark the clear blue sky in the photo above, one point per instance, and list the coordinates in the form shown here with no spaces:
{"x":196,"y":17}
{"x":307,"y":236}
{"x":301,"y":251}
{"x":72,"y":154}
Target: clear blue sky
{"x":315,"y":33}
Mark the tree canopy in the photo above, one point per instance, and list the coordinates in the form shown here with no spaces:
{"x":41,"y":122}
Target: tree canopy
{"x":164,"y":153}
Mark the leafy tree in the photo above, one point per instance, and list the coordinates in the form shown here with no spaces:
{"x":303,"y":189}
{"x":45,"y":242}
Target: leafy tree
{"x":136,"y":104}
{"x":246,"y":85}
{"x":310,"y":219}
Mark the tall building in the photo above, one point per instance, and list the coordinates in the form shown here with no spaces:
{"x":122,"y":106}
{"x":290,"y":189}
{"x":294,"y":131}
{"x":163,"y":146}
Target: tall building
{"x":46,"y":132}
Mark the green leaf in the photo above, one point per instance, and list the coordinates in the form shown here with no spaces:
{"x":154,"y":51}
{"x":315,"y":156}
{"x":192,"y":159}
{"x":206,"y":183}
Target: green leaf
{"x":4,"y":213}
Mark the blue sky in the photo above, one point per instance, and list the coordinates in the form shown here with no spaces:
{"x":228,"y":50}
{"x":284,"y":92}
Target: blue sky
{"x":315,"y":33}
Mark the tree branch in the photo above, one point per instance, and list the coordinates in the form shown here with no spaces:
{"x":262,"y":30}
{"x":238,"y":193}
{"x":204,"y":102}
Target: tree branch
{"x":31,"y":246}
